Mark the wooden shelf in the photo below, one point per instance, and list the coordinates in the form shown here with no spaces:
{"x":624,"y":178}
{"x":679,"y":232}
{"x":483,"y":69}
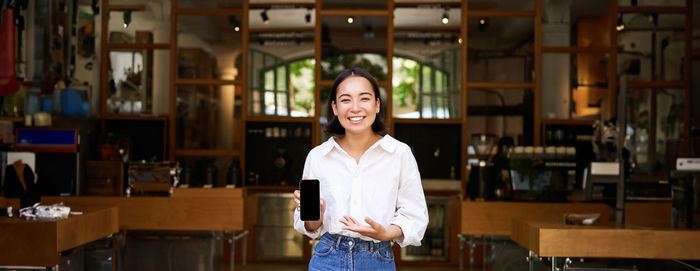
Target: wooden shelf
{"x":209,"y":11}
{"x":206,"y":82}
{"x":284,"y":4}
{"x":134,"y":117}
{"x":655,"y":84}
{"x":426,"y":121}
{"x":138,"y":46}
{"x":566,"y":122}
{"x":651,"y":9}
{"x":427,"y":4}
{"x":282,"y":30}
{"x":199,"y":152}
{"x":270,"y":188}
{"x":427,"y":29}
{"x":118,"y":7}
{"x":280,"y":119}
{"x":525,"y":85}
{"x":576,"y":50}
{"x":501,"y":13}
{"x":356,"y":12}
{"x":12,"y":119}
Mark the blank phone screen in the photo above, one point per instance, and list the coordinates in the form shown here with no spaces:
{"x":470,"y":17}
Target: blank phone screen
{"x":310,"y":200}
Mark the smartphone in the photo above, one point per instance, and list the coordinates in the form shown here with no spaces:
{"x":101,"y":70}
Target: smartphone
{"x":310,"y":197}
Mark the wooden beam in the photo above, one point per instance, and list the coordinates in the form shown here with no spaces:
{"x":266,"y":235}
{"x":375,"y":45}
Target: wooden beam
{"x":206,"y":82}
{"x":109,"y":7}
{"x":283,"y":30}
{"x":426,"y":4}
{"x":503,"y":13}
{"x":537,"y":87}
{"x":687,"y":76}
{"x":463,"y":92}
{"x":525,"y":85}
{"x":173,"y":75}
{"x":136,"y":46}
{"x":200,"y":152}
{"x":428,"y":121}
{"x":280,"y":119}
{"x":281,"y":5}
{"x":652,"y":9}
{"x":576,"y":50}
{"x":355,"y":12}
{"x":428,"y":29}
{"x":656,"y":84}
{"x":209,"y":11}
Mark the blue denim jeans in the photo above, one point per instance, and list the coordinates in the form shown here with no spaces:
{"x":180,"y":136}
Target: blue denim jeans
{"x":337,"y":252}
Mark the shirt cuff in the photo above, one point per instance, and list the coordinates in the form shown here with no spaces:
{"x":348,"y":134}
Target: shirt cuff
{"x":299,"y":226}
{"x":410,"y":236}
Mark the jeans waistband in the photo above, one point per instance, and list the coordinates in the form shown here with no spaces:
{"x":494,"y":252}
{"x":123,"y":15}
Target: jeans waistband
{"x":344,"y":242}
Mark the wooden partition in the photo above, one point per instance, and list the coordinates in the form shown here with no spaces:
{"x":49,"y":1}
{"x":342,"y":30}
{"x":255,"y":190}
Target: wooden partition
{"x":39,"y":243}
{"x":494,"y":218}
{"x":187,"y":209}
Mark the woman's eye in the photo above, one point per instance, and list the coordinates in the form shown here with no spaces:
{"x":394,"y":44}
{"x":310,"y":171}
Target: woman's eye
{"x":365,"y":99}
{"x":344,"y":100}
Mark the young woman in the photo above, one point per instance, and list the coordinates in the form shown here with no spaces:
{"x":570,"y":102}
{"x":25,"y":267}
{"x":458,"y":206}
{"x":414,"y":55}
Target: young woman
{"x":371,"y":192}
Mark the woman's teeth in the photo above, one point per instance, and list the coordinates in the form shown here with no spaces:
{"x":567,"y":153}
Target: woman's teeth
{"x":356,"y":118}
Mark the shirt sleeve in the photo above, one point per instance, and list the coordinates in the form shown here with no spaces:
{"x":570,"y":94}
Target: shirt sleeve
{"x":298,"y":224}
{"x":411,"y":209}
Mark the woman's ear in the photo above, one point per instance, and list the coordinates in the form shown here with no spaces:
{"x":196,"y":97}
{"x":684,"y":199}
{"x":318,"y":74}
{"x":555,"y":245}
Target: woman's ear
{"x":335,"y":110}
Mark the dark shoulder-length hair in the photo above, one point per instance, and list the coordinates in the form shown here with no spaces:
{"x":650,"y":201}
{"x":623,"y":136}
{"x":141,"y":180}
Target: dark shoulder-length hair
{"x":333,"y":126}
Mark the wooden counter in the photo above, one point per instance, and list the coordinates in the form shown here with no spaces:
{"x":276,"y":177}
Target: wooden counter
{"x":14,"y":202}
{"x":551,"y":239}
{"x":39,"y":243}
{"x":494,"y":217}
{"x":189,"y":209}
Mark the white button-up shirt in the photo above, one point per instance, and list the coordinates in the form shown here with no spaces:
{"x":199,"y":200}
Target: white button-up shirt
{"x":385,"y":186}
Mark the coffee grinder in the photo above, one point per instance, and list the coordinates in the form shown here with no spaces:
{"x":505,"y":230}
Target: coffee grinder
{"x":482,"y":176}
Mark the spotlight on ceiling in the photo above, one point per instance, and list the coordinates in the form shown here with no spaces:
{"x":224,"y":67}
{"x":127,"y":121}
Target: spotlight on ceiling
{"x":127,"y":18}
{"x":620,"y":24}
{"x":264,"y":17}
{"x":483,"y":23}
{"x":234,"y":22}
{"x":351,"y":19}
{"x":307,"y":17}
{"x":445,"y":17}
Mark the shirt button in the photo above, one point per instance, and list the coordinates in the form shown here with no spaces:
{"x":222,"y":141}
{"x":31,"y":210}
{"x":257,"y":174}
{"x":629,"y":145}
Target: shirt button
{"x":350,"y":243}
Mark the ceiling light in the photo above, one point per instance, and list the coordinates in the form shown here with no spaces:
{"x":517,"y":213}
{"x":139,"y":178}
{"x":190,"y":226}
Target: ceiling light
{"x":264,"y":17}
{"x":620,"y":24}
{"x":445,"y":17}
{"x":351,"y":19}
{"x":459,"y":40}
{"x":483,"y":23}
{"x":307,"y":17}
{"x":234,"y":22}
{"x":127,"y":18}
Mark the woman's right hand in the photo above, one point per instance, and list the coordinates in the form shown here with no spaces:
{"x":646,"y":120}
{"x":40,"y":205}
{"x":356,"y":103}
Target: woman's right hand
{"x":310,"y":225}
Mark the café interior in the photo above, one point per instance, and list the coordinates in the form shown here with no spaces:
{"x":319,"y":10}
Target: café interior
{"x":170,"y":134}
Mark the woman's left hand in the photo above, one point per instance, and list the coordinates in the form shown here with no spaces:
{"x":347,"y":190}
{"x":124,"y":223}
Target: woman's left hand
{"x":374,"y":230}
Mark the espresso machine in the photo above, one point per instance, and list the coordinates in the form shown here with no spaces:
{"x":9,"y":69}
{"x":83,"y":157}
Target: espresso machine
{"x":482,"y":173}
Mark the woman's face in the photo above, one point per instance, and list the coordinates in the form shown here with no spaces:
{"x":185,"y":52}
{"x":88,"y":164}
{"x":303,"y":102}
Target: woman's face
{"x":355,"y":105}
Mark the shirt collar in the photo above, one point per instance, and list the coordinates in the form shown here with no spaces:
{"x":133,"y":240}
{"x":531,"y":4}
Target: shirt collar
{"x":387,"y":143}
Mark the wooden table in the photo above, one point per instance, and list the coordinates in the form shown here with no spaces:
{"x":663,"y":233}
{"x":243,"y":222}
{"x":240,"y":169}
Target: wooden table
{"x":547,"y":238}
{"x":39,"y":243}
{"x":493,"y":218}
{"x":188,"y":209}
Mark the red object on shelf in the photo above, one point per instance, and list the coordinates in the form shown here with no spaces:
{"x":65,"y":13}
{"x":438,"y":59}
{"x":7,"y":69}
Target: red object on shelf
{"x":8,"y":76}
